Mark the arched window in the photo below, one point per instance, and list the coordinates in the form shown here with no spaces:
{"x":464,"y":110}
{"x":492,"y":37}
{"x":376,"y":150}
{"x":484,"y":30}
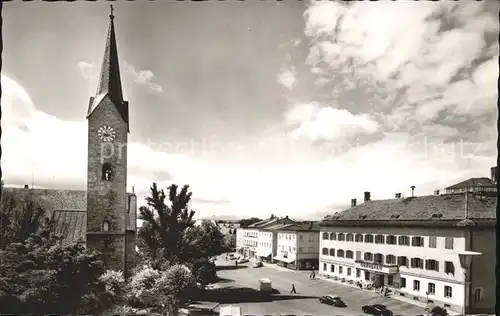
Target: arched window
{"x":359,"y":238}
{"x":349,"y":254}
{"x":368,"y":256}
{"x":105,"y":226}
{"x":478,"y":294}
{"x":379,"y":239}
{"x":340,"y":253}
{"x":325,"y":236}
{"x":107,"y":172}
{"x":325,"y":251}
{"x":332,"y":252}
{"x":349,"y":237}
{"x":379,"y":258}
{"x":333,"y":236}
{"x":369,"y":238}
{"x":390,"y":259}
{"x":341,"y":237}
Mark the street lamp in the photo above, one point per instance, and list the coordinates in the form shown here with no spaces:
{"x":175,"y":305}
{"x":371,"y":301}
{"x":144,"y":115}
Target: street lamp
{"x":465,"y":258}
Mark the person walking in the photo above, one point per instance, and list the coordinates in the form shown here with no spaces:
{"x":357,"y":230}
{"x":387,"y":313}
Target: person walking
{"x":293,"y":289}
{"x":314,"y":275}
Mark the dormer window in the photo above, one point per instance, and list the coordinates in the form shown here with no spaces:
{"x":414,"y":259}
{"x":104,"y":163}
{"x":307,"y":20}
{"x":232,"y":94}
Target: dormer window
{"x":107,"y":171}
{"x":105,"y":226}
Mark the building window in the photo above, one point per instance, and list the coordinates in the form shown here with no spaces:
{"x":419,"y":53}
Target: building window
{"x":478,"y":294}
{"x":340,"y":253}
{"x":341,"y":237}
{"x":390,"y":240}
{"x":432,"y":265}
{"x":311,"y":237}
{"x":448,"y":243}
{"x":416,"y":285}
{"x":404,"y":241}
{"x":301,"y":238}
{"x":432,"y":241}
{"x":379,"y":239}
{"x":358,"y":238}
{"x":417,"y":263}
{"x":310,"y":249}
{"x":447,"y":291}
{"x":324,"y":267}
{"x":300,"y":249}
{"x":107,"y":172}
{"x":431,"y":288}
{"x":348,"y":271}
{"x":324,"y":251}
{"x":332,"y":268}
{"x":417,"y":241}
{"x":332,"y":252}
{"x":325,"y":236}
{"x":449,"y":267}
{"x":390,"y":259}
{"x":349,"y":237}
{"x":340,"y":269}
{"x":368,"y":256}
{"x":333,"y":236}
{"x":358,"y":255}
{"x":369,"y":238}
{"x":390,"y":280}
{"x":402,"y":282}
{"x":358,"y":273}
{"x":105,"y":226}
{"x":403,"y":261}
{"x":378,"y":258}
{"x":129,"y":205}
{"x":349,"y":254}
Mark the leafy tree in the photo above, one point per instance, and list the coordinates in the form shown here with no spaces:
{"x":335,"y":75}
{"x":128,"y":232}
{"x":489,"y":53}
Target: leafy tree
{"x":204,"y":271}
{"x":203,"y":241}
{"x":161,"y":234}
{"x":249,"y":221}
{"x":229,"y":241}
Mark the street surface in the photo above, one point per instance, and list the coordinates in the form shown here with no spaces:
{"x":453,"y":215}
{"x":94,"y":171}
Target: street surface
{"x":239,"y":286}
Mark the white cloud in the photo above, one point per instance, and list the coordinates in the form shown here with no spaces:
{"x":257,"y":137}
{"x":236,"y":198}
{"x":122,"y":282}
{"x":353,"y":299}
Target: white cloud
{"x":143,"y":78}
{"x":336,"y":125}
{"x":287,"y":78}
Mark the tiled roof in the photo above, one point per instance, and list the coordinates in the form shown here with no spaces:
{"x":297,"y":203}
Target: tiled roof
{"x":314,"y":226}
{"x":473,"y":182}
{"x":276,"y":226}
{"x":73,"y":224}
{"x":445,"y":207}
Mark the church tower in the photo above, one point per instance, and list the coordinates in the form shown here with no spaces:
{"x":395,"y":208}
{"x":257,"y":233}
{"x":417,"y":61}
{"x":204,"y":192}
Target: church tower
{"x":110,"y":224}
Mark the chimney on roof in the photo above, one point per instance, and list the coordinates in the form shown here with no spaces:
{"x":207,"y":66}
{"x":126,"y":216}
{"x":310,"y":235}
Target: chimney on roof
{"x":367,"y":196}
{"x":353,"y":202}
{"x":436,"y":192}
{"x":397,"y":195}
{"x":494,"y":174}
{"x":412,"y":191}
{"x":26,"y":186}
{"x":310,"y":225}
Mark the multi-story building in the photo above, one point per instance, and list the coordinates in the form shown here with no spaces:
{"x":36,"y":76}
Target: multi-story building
{"x":258,"y":240}
{"x":298,"y":246}
{"x":414,"y":245}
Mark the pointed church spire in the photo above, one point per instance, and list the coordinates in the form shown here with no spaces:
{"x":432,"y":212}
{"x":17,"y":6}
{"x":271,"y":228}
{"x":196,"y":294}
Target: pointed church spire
{"x":110,"y":80}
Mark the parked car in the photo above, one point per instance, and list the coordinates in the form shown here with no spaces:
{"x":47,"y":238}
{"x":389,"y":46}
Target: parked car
{"x":257,"y":264}
{"x":332,"y":300}
{"x":232,"y":256}
{"x":242,"y":260}
{"x":377,"y":310}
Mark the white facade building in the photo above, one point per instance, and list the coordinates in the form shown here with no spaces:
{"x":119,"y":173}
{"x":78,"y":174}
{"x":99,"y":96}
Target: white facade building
{"x":298,"y":246}
{"x":412,"y":245}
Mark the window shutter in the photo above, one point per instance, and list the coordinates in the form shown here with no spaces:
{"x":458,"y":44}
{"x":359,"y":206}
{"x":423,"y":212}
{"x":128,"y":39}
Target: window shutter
{"x":436,"y":265}
{"x":413,"y":262}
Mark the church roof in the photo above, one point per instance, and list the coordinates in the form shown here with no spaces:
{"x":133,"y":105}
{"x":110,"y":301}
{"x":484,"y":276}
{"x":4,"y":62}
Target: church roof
{"x":69,"y":207}
{"x":110,"y":81}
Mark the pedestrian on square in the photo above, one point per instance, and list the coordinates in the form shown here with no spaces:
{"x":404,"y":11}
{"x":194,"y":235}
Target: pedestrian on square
{"x":314,"y":275}
{"x":293,"y":289}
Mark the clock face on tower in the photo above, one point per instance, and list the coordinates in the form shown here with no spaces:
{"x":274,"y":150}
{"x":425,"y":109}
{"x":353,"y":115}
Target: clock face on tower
{"x":106,"y":133}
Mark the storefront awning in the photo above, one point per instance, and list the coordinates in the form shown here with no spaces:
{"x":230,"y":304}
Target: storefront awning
{"x":287,"y":260}
{"x":264,"y":253}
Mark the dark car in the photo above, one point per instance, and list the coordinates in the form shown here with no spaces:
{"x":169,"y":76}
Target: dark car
{"x":377,"y":310}
{"x":332,"y":300}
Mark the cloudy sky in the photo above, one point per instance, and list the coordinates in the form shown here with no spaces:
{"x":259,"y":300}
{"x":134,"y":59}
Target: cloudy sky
{"x":261,"y":107}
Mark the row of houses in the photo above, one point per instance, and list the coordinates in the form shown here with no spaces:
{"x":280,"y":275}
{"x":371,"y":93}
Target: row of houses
{"x":437,"y":249}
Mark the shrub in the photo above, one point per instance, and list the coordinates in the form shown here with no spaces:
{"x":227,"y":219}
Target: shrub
{"x":114,"y":283}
